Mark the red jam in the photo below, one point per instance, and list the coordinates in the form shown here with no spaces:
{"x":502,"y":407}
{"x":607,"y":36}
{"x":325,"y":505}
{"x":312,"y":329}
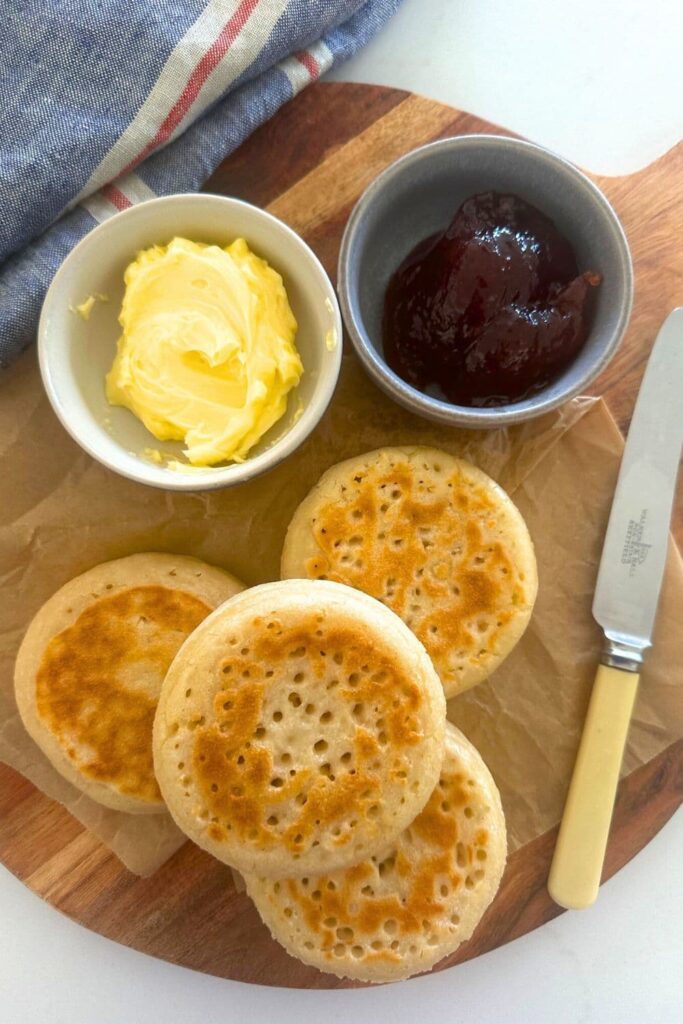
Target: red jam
{"x":492,"y":309}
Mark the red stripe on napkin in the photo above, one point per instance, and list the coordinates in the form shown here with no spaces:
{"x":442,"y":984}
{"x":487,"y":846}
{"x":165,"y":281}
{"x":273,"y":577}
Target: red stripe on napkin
{"x":208,"y":63}
{"x":309,"y":62}
{"x":115,"y":197}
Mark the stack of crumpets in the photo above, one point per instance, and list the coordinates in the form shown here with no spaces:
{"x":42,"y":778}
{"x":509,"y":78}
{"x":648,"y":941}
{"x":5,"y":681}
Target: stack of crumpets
{"x":301,"y":737}
{"x":297,"y":730}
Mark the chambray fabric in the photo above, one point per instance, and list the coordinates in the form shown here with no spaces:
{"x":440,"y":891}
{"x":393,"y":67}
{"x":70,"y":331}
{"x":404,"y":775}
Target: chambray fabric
{"x":77,"y":76}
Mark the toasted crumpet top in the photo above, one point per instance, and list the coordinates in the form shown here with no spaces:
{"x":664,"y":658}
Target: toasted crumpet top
{"x":91,"y":667}
{"x":301,"y":726}
{"x":433,"y":538}
{"x":400,"y":912}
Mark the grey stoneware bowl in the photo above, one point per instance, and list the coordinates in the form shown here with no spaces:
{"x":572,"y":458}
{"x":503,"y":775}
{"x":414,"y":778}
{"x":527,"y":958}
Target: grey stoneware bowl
{"x":418,"y":195}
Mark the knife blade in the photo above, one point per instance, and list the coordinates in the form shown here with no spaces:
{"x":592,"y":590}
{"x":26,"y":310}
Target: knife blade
{"x":634,"y":552}
{"x":625,"y":605}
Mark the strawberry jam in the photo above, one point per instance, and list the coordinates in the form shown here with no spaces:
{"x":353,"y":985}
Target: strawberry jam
{"x":490,"y":310}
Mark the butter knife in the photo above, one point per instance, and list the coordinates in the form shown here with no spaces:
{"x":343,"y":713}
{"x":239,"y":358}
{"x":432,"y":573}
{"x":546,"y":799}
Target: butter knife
{"x":625,"y":606}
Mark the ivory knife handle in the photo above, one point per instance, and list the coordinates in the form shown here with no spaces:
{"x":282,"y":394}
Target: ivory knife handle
{"x":580,"y":851}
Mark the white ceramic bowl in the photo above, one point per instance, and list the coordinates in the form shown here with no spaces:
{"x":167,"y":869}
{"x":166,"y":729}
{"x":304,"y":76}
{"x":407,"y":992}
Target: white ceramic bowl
{"x":75,"y":354}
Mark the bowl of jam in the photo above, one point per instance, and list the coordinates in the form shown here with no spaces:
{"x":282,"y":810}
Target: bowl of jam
{"x":484,"y":280}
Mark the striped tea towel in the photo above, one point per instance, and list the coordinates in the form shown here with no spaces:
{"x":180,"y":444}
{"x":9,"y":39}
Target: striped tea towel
{"x":106,"y":103}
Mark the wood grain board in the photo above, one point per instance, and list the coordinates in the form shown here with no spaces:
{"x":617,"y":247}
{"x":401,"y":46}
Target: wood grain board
{"x":308,"y":166}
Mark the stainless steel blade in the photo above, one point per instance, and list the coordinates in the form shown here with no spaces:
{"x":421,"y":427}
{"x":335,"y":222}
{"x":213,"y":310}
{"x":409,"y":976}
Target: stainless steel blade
{"x":634,"y":553}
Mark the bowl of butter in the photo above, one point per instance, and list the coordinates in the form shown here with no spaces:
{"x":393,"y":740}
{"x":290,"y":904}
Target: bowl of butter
{"x":190,"y":342}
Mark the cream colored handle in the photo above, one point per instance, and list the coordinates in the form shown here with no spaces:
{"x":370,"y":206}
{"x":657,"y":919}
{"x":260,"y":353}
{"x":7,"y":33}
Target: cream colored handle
{"x":580,"y":851}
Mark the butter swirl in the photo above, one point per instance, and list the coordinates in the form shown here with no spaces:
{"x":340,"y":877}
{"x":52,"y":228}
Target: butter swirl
{"x":207,"y":353}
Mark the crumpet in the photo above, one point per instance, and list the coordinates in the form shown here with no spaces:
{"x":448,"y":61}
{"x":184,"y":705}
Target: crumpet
{"x":90,"y":667}
{"x":299,"y":729}
{"x":433,"y":538}
{"x":399,"y":913}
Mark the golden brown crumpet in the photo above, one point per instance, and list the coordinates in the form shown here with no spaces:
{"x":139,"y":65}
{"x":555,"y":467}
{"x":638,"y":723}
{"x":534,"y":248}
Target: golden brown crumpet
{"x":90,"y":668}
{"x":433,"y":538}
{"x":400,"y":912}
{"x":299,"y":729}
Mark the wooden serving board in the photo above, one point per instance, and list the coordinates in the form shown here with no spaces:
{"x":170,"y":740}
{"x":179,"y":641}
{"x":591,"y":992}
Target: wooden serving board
{"x":308,"y":166}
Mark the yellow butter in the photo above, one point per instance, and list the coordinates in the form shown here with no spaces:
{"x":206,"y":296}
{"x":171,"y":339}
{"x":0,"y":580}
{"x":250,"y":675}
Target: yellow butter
{"x":207,"y":353}
{"x":85,"y":308}
{"x":153,"y":455}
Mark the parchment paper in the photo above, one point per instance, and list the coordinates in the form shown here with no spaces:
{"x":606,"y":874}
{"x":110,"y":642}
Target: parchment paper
{"x":61,"y":513}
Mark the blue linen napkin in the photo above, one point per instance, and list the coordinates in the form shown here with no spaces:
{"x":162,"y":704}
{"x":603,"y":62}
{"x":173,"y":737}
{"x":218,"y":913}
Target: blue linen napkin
{"x":105,"y":104}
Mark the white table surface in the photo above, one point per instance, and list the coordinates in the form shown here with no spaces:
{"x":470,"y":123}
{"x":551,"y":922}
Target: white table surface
{"x":602,"y":84}
{"x":600,"y":81}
